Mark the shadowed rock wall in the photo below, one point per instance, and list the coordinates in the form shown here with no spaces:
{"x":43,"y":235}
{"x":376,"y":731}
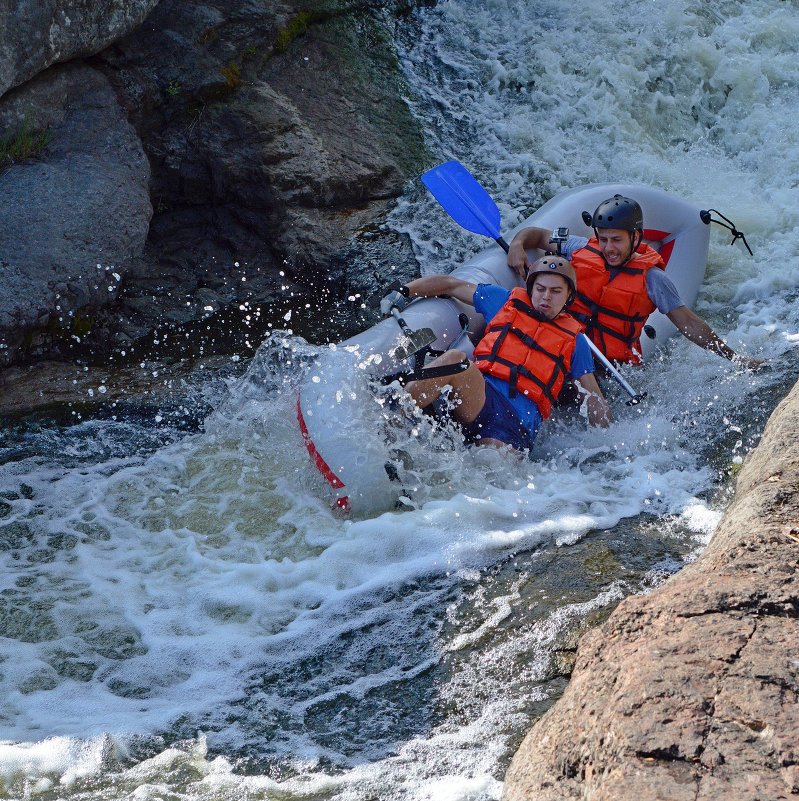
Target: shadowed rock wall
{"x":34,"y":35}
{"x":691,"y":693}
{"x":69,"y":224}
{"x":226,"y":153}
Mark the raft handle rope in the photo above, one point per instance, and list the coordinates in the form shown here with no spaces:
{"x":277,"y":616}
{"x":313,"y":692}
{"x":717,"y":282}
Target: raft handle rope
{"x":706,"y":217}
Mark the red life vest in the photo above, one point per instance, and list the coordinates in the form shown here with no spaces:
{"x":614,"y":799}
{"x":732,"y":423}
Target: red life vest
{"x":532,"y":355}
{"x":613,"y":303}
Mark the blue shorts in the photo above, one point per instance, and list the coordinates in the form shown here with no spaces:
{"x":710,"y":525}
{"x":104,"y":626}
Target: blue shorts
{"x":498,"y":420}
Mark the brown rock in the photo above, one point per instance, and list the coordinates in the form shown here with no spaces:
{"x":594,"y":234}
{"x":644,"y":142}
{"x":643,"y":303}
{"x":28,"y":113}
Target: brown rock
{"x":691,"y":692}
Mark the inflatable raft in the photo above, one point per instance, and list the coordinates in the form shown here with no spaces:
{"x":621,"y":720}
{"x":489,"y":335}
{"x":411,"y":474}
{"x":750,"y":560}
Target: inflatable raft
{"x":334,"y":408}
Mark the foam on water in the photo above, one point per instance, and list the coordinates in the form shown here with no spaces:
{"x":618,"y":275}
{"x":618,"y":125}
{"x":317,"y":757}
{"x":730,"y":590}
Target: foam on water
{"x":184,"y":614}
{"x":148,"y":589}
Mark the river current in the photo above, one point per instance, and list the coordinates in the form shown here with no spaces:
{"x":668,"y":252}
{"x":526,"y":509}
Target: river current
{"x":182,"y":616}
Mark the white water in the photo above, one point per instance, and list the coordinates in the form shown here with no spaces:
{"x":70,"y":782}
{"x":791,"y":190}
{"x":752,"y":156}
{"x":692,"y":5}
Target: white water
{"x":192,"y":621}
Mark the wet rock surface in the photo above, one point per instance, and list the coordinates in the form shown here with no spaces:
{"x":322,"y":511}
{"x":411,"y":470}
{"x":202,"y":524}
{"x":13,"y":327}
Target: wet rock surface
{"x":276,"y":138}
{"x":35,"y":35}
{"x":71,"y":223}
{"x":691,"y":692}
{"x":67,"y":392}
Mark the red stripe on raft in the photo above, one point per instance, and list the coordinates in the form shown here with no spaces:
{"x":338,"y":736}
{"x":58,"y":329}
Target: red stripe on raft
{"x":665,"y":251}
{"x":316,"y":457}
{"x":653,"y":235}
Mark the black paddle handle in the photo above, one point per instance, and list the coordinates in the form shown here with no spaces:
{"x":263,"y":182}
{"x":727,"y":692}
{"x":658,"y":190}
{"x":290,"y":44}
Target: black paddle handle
{"x":402,"y":324}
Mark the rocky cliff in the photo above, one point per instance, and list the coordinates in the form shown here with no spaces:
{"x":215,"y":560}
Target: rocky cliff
{"x":163,"y":164}
{"x":692,"y":692}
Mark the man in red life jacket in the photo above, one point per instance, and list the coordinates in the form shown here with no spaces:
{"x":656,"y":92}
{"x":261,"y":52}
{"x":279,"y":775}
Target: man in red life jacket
{"x":530,"y":348}
{"x":621,"y":282}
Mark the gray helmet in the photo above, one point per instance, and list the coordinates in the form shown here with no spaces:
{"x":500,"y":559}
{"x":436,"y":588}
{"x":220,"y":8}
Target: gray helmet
{"x":616,"y":212}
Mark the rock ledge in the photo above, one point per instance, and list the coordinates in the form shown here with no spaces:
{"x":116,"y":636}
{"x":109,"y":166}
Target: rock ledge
{"x":691,"y":692}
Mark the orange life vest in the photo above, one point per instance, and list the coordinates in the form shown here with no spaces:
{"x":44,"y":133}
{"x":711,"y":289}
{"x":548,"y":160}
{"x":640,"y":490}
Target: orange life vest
{"x":613,"y":303}
{"x":532,"y":355}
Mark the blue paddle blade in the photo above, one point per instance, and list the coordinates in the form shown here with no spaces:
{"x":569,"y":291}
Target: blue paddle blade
{"x":462,"y":197}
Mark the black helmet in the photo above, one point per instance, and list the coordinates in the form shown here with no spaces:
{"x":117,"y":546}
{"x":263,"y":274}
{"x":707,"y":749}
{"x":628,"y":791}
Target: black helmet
{"x":616,"y":212}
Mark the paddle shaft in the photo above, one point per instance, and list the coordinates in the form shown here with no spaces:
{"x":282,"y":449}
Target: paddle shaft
{"x":635,"y":397}
{"x":402,"y":324}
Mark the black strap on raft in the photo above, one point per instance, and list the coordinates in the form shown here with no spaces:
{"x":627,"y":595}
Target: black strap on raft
{"x":421,"y":373}
{"x":707,"y":218}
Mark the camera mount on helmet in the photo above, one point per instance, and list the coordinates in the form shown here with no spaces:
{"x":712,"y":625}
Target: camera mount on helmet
{"x":559,"y":236}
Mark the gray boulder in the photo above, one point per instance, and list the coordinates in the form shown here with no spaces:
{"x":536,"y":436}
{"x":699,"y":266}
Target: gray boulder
{"x":34,"y":35}
{"x":280,"y":130}
{"x":277,"y":137}
{"x":72,"y":219}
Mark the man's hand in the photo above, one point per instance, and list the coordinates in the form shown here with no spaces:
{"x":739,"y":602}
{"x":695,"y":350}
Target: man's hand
{"x":527,"y":239}
{"x":693,"y":327}
{"x":518,"y":260}
{"x":394,"y":300}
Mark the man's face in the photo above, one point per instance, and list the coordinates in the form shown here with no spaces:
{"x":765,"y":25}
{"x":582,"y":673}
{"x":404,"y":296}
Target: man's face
{"x":549,"y":294}
{"x":615,"y":244}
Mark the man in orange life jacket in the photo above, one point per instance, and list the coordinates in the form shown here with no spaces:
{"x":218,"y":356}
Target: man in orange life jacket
{"x":621,"y":281}
{"x":529,"y":349}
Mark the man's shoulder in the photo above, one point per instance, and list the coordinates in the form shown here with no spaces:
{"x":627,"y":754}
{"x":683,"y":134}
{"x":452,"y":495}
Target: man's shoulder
{"x":489,"y":298}
{"x":660,"y":279}
{"x":492,"y":291}
{"x":662,"y":291}
{"x":574,"y":244}
{"x":649,"y":256}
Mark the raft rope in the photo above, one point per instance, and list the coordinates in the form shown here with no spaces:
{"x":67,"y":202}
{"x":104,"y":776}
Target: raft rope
{"x":707,"y":218}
